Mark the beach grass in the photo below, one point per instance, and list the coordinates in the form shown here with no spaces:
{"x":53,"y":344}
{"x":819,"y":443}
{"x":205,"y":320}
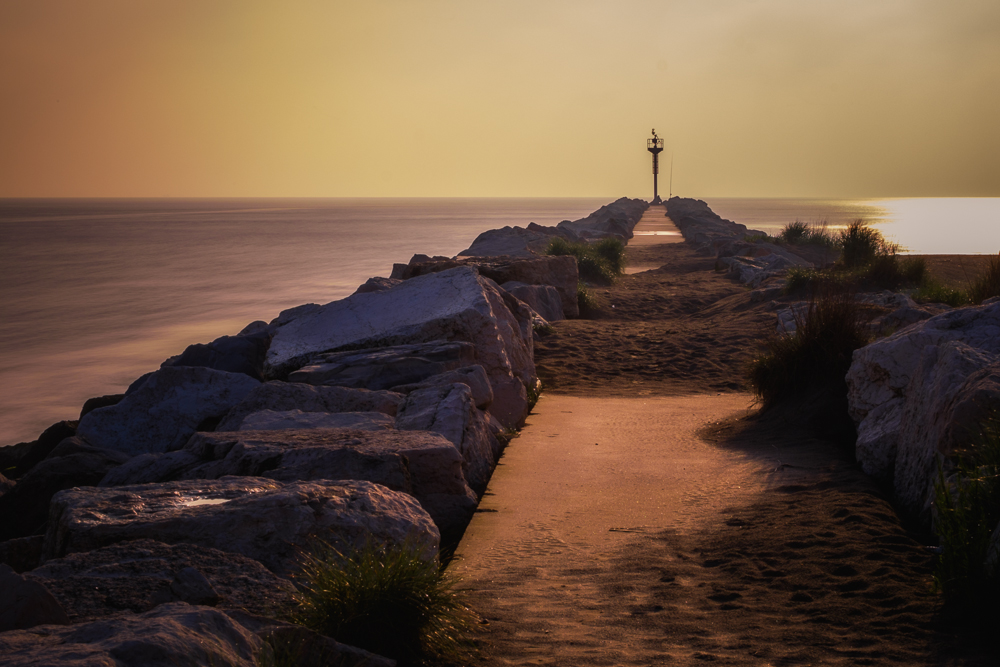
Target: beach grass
{"x":387,"y":599}
{"x":602,"y":262}
{"x":967,"y":511}
{"x":816,"y":355}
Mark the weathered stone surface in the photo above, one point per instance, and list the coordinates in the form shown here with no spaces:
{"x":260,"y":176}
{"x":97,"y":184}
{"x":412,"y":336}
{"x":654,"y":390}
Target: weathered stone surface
{"x":289,"y":314}
{"x":259,"y":518}
{"x":560,"y":272}
{"x":172,"y":635}
{"x":451,"y":411}
{"x":917,"y":393}
{"x":271,"y":420}
{"x":377,"y":284}
{"x":163,"y":413}
{"x":22,"y":553}
{"x":473,"y":376}
{"x":543,"y":299}
{"x":16,"y":460}
{"x":510,"y":242}
{"x":92,"y":404}
{"x":882,"y":371}
{"x":385,"y":367}
{"x":151,"y":468}
{"x":701,"y":226}
{"x":281,"y":396}
{"x":25,"y":603}
{"x":423,"y":464}
{"x":243,"y":353}
{"x":457,"y":304}
{"x":73,"y":462}
{"x":136,"y":576}
{"x":618,"y":218}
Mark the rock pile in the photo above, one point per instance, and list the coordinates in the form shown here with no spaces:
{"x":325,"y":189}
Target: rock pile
{"x":163,"y":525}
{"x":617,"y":220}
{"x":918,"y":394}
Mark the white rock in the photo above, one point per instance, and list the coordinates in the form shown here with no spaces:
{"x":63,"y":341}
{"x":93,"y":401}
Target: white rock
{"x":259,"y":518}
{"x":163,"y":413}
{"x":902,"y":394}
{"x":456,"y":304}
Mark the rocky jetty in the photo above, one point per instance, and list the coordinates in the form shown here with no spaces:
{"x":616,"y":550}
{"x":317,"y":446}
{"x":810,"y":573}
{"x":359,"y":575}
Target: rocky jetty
{"x":164,"y":526}
{"x":617,"y":220}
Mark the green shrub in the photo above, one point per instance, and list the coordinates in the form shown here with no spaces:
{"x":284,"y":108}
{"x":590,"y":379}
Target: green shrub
{"x":759,"y":238}
{"x":601,"y":262}
{"x":932,"y":291}
{"x":987,"y":284}
{"x":794,"y":232}
{"x":612,"y":251}
{"x":817,"y":355}
{"x":585,"y":301}
{"x":801,"y":233}
{"x":862,"y":244}
{"x":968,"y":510}
{"x":387,"y":599}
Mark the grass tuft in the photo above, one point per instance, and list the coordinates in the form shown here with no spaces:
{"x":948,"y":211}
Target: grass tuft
{"x":386,"y":599}
{"x":817,"y":355}
{"x":602,"y":262}
{"x":967,"y":513}
{"x":862,"y":244}
{"x":586,"y":301}
{"x":987,"y":284}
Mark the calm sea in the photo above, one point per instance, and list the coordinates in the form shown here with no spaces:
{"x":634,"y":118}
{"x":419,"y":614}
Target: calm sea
{"x":93,"y":293}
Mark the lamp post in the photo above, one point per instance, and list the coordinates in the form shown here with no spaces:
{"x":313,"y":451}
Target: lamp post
{"x":655,"y":146}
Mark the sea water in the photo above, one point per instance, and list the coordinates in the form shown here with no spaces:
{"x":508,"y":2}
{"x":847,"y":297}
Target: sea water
{"x":94,"y":293}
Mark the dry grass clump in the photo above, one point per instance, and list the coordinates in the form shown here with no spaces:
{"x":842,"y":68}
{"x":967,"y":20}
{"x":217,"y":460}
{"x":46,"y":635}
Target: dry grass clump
{"x":817,"y":355}
{"x":387,"y":599}
{"x":967,"y":513}
{"x":602,"y":262}
{"x":987,"y":284}
{"x":801,"y":233}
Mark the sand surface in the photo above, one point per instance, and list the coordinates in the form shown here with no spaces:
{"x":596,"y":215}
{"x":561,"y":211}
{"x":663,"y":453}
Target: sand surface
{"x":645,"y":517}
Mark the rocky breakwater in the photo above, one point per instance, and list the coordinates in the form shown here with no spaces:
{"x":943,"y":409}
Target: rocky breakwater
{"x":741,"y":251}
{"x":169,"y":518}
{"x":616,"y":219}
{"x":919,"y":395}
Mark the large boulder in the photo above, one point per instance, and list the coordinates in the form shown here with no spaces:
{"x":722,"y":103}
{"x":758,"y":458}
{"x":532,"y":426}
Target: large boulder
{"x":385,"y":367}
{"x":918,"y":392}
{"x":166,"y":410}
{"x":618,"y":218}
{"x":16,"y":460}
{"x":457,"y":304}
{"x":25,"y":603}
{"x":511,"y":242}
{"x":559,"y":271}
{"x":451,"y":411}
{"x":139,"y":575}
{"x":177,"y":634}
{"x":422,"y":464}
{"x":377,"y":284}
{"x":24,"y":509}
{"x":6,"y":485}
{"x":259,"y":518}
{"x":272,"y":420}
{"x":282,"y":396}
{"x":543,"y":299}
{"x":473,"y":376}
{"x":243,"y":353}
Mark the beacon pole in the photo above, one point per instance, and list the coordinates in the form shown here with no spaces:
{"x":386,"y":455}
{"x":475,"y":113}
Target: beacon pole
{"x":655,"y":146}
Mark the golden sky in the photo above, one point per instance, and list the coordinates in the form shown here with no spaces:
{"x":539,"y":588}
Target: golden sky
{"x":845,"y":98}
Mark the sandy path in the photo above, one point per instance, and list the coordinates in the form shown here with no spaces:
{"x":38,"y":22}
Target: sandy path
{"x":583,"y":479}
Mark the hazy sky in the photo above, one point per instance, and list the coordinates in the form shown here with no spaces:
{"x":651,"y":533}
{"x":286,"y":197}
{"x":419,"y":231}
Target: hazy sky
{"x":845,"y":98}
